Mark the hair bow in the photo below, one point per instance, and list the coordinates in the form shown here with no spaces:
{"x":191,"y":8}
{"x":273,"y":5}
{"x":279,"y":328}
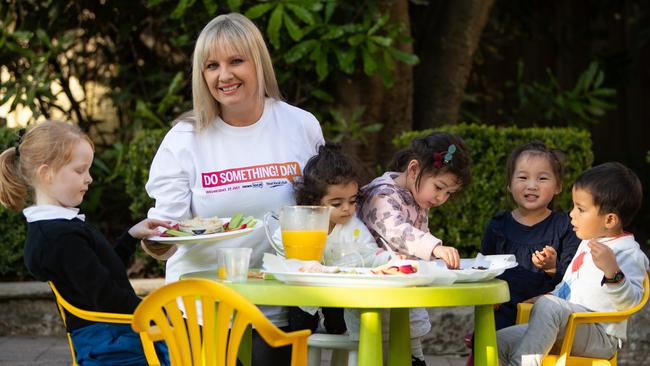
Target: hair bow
{"x":443,"y":157}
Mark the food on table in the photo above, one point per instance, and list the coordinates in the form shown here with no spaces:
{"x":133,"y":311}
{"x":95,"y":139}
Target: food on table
{"x":481,"y":268}
{"x":200,"y":225}
{"x":315,"y":267}
{"x":396,"y":268}
{"x":400,"y":267}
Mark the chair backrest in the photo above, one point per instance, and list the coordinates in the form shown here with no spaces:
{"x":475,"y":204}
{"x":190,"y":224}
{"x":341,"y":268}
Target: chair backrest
{"x":226,"y":315}
{"x":94,"y":316}
{"x":63,"y":305}
{"x":601,"y":317}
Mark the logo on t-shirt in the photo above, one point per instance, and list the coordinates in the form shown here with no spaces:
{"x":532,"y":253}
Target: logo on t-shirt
{"x":285,"y":171}
{"x":577,"y":262}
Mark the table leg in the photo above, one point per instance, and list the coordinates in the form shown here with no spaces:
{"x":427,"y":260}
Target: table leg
{"x":370,"y":353}
{"x":485,"y":337}
{"x":399,"y":342}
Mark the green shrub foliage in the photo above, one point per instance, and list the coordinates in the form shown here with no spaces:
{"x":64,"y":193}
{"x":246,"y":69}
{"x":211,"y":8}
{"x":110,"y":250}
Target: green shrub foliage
{"x":12,"y":224}
{"x":460,"y":221}
{"x":140,"y":153}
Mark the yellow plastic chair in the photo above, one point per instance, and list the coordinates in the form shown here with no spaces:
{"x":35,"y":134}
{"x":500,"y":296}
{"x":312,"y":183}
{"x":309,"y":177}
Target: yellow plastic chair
{"x":189,"y":343}
{"x":101,"y":317}
{"x":565,"y":358}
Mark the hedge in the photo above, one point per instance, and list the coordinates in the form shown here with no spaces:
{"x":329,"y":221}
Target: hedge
{"x":459,"y":222}
{"x":12,"y":225}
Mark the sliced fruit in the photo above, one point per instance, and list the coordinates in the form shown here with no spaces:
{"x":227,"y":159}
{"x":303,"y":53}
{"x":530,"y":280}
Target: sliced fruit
{"x":407,"y":269}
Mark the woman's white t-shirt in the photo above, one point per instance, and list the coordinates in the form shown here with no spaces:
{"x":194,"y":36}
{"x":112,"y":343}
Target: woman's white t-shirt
{"x":225,"y":170}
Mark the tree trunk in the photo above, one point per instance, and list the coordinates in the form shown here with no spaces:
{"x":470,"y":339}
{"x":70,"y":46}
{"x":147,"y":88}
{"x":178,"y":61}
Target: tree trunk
{"x":450,"y":33}
{"x":392,"y":107}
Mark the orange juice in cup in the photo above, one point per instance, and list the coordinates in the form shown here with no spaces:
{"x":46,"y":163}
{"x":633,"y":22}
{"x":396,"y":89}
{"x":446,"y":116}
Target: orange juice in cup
{"x":304,"y":244}
{"x":303,"y":229}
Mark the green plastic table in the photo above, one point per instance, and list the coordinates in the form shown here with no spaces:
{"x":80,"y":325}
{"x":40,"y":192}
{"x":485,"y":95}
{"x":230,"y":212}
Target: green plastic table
{"x":370,"y":301}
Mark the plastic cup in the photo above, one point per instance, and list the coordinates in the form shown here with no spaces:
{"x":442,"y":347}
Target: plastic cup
{"x":233,"y":264}
{"x":342,"y":254}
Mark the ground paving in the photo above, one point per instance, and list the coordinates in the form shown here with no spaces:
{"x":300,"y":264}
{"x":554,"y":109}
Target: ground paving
{"x":54,"y":351}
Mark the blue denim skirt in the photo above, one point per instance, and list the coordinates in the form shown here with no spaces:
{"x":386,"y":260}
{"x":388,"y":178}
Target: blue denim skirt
{"x":112,"y":344}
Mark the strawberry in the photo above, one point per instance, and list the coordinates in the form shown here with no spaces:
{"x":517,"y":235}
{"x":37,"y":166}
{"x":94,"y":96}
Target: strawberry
{"x":407,"y":269}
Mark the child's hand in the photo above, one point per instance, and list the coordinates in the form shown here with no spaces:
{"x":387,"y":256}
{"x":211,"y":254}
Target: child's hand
{"x":448,"y":254}
{"x":603,"y":258}
{"x":147,"y":228}
{"x":546,"y":259}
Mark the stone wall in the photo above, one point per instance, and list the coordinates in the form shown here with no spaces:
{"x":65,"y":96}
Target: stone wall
{"x":28,"y":308}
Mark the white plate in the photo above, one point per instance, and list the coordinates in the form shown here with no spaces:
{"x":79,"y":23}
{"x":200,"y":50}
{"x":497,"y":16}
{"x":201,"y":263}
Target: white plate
{"x":287,"y":271}
{"x":351,"y":279}
{"x":206,"y":238}
{"x":495,"y":264}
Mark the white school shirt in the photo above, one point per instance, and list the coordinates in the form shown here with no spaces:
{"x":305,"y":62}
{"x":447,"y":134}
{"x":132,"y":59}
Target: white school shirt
{"x":226,"y":170}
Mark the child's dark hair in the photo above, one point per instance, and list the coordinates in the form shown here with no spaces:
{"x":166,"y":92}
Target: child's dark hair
{"x":429,"y":151}
{"x":615,"y":188}
{"x":330,"y":166}
{"x":536,"y":148}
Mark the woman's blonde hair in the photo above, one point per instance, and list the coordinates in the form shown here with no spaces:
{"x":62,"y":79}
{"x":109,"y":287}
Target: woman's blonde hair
{"x":234,"y":32}
{"x":49,"y":143}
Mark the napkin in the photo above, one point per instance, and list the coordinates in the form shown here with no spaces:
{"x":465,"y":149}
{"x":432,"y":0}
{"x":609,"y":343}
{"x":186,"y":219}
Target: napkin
{"x":482,"y":267}
{"x":274,"y":263}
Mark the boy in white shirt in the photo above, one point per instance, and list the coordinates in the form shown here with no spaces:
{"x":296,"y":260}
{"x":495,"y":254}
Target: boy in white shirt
{"x":606,"y":274}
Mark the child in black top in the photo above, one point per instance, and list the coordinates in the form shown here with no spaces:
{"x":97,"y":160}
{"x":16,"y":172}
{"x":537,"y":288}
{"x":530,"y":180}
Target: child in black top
{"x":52,"y":161}
{"x":541,"y":239}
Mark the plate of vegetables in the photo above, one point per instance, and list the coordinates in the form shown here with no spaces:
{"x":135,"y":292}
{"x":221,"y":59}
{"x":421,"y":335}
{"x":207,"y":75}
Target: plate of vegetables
{"x":204,"y":230}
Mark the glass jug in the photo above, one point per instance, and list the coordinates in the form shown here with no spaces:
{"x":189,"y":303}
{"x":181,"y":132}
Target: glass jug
{"x":304,"y":231}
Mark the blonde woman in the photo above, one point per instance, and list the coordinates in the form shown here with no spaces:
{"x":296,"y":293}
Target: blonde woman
{"x":238,"y":150}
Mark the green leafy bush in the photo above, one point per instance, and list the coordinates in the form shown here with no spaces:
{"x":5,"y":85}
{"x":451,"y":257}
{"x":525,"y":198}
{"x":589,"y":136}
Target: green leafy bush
{"x":460,"y":222}
{"x":140,"y":153}
{"x":13,"y":226}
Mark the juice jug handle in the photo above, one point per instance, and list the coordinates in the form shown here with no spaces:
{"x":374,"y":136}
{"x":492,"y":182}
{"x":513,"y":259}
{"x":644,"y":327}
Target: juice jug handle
{"x":279,"y":249}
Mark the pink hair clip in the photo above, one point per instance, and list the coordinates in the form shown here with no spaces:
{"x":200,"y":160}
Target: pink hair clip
{"x":441,"y":158}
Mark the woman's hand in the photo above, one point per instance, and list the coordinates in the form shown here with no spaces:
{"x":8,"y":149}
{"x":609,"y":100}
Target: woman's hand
{"x":546,"y":260}
{"x":159,"y":251}
{"x":448,"y":254}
